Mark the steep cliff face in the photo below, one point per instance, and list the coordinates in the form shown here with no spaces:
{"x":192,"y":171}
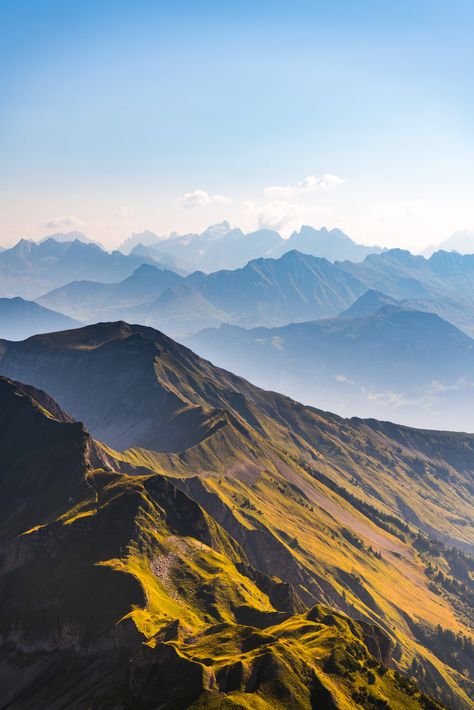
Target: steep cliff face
{"x":119,"y":590}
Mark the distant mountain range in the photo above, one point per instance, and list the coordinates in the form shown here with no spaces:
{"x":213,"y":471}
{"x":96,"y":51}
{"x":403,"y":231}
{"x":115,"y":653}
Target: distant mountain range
{"x":71,"y":237}
{"x":294,"y":287}
{"x":442,"y":284}
{"x":376,"y":360}
{"x":243,"y":550}
{"x":271,"y":292}
{"x":29,"y":269}
{"x":462,"y":242}
{"x":222,"y":247}
{"x":19,"y":319}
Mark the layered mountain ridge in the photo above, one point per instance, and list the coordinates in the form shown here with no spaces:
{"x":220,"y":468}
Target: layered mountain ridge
{"x":379,"y":358}
{"x":356,"y":515}
{"x":122,"y":591}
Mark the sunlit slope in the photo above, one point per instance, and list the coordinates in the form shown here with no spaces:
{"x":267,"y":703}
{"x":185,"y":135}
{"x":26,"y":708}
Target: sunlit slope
{"x":134,"y":387}
{"x":333,"y":507}
{"x":126,"y":593}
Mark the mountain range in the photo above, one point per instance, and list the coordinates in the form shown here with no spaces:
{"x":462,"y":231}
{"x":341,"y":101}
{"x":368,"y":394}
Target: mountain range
{"x":377,"y":359}
{"x":461,"y":241}
{"x":19,"y":319}
{"x":28,"y":269}
{"x":274,"y":292}
{"x":222,"y":247}
{"x":224,"y":546}
{"x":264,"y":292}
{"x":442,"y":284}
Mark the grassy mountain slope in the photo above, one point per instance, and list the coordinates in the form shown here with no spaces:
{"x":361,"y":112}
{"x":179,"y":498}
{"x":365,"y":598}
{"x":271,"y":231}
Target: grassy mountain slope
{"x":351,"y":513}
{"x":121,"y":591}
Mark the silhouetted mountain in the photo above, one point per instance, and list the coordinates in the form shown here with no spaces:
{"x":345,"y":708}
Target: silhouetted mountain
{"x":89,"y":300}
{"x":145,"y":238}
{"x":165,"y":260}
{"x":462,"y":242}
{"x":181,"y":309}
{"x":330,"y":244}
{"x":19,"y":319}
{"x":392,"y":363}
{"x":71,"y":237}
{"x":294,"y":287}
{"x":218,"y":247}
{"x":29,"y":269}
{"x":264,"y":292}
{"x":442,"y":284}
{"x":222,"y":247}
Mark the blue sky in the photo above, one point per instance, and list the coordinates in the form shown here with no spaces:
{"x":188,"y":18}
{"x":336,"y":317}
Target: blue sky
{"x":113,"y":115}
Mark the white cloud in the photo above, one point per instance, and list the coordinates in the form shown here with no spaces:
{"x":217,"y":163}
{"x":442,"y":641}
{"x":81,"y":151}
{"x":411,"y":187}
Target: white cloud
{"x":67,"y":222}
{"x":201,"y":198}
{"x":309,"y":184}
{"x":285,"y":208}
{"x":281,"y":215}
{"x":126,"y":214}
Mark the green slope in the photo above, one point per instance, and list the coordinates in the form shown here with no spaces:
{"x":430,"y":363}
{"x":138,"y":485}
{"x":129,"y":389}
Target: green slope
{"x":341,"y":510}
{"x":127,"y":594}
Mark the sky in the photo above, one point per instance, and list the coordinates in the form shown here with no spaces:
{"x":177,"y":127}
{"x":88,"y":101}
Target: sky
{"x":117,"y":117}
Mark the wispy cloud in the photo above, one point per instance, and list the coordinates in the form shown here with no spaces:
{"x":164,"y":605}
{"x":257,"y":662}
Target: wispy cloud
{"x":67,"y":222}
{"x":343,"y":378}
{"x":394,"y":399}
{"x":309,"y":184}
{"x":201,"y":198}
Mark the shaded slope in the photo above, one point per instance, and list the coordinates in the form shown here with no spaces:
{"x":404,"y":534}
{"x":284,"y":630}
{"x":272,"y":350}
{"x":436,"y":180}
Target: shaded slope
{"x":90,"y":300}
{"x":275,"y":291}
{"x":370,"y":302}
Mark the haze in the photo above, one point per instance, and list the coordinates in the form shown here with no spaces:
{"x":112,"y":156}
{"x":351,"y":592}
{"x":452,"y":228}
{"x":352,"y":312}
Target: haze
{"x":118,"y":117}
